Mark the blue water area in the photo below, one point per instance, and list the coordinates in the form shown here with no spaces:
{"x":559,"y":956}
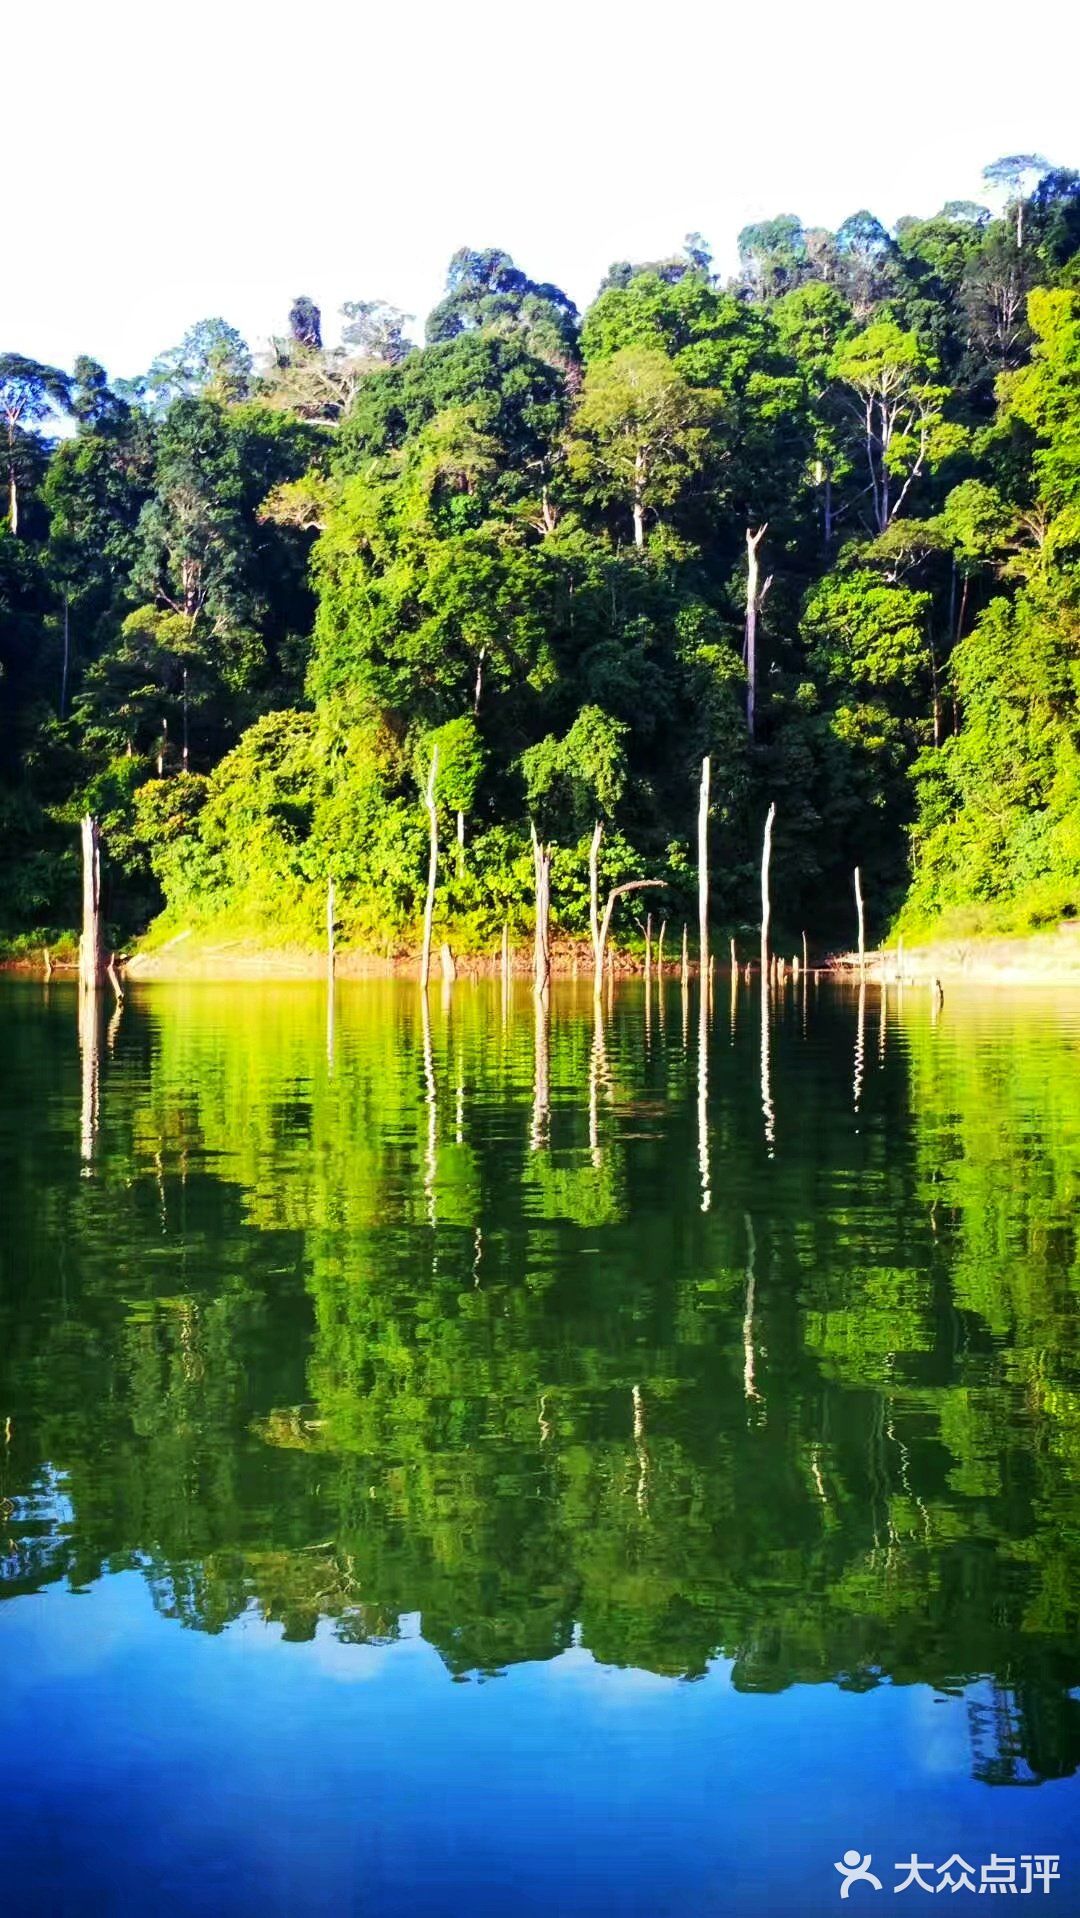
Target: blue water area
{"x":483,"y":1458}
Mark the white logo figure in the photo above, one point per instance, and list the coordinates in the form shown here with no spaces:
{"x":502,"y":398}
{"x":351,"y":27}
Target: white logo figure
{"x":855,"y":1870}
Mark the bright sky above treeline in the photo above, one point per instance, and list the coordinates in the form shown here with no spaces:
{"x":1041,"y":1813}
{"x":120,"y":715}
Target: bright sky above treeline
{"x":170,"y":163}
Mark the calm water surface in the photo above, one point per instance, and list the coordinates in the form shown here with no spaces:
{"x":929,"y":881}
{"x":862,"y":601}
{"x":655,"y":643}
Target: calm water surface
{"x":486,"y":1464}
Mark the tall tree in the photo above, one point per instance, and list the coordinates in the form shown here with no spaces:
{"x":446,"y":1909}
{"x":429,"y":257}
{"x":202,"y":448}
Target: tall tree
{"x":30,"y":393}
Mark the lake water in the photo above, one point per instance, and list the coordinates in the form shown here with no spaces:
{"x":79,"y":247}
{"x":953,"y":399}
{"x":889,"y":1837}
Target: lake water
{"x":474,"y":1463}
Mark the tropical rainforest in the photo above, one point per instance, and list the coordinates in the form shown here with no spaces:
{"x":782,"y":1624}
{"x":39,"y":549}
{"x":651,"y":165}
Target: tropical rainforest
{"x":818,"y":520}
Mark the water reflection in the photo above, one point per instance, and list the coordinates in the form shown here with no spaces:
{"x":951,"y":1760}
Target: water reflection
{"x":370,"y":1310}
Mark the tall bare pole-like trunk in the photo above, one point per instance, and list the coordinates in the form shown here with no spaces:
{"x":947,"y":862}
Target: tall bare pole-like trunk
{"x":766,"y":908}
{"x":505,"y":957}
{"x":542,"y":947}
{"x":755,"y":593}
{"x":660,"y":950}
{"x":648,"y":951}
{"x":91,"y":945}
{"x":862,"y":925}
{"x":703,"y":870}
{"x":330,"y":925}
{"x":433,"y":868}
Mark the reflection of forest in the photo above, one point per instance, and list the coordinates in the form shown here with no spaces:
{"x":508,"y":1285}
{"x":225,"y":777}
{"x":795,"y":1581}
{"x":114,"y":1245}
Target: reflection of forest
{"x":526,"y":1326}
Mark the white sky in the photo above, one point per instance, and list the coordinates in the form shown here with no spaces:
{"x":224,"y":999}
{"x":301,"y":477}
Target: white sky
{"x":167,"y":162}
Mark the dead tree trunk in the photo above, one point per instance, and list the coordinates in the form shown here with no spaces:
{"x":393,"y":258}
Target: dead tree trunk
{"x":632,"y":885}
{"x":703,"y":870}
{"x":766,"y":909}
{"x":660,"y":950}
{"x":594,"y":891}
{"x":330,"y":924}
{"x":433,"y":869}
{"x":862,"y":926}
{"x":648,"y":949}
{"x":542,"y":950}
{"x":505,"y":956}
{"x":685,"y":960}
{"x":91,"y":945}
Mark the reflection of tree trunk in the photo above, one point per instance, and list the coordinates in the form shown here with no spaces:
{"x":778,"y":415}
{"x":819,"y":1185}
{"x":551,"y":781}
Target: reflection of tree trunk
{"x":540,"y":1131}
{"x":90,"y":1052}
{"x":641,"y":1449}
{"x":768,"y":1113}
{"x":860,"y":1043}
{"x":433,"y":868}
{"x":749,"y":1387}
{"x":703,"y":1099}
{"x":431,"y":1156}
{"x":598,"y":1076}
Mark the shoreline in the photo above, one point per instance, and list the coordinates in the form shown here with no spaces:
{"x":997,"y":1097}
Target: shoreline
{"x":1034,"y":959}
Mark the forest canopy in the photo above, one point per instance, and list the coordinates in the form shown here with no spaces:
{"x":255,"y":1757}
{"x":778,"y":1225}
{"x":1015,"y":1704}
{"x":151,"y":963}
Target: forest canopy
{"x":819,"y":521}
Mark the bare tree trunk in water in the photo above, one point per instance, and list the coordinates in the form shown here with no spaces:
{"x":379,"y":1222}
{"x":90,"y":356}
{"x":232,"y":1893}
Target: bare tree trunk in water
{"x":632,"y":885}
{"x":433,"y":869}
{"x":766,"y":908}
{"x":703,"y":869}
{"x":91,"y":945}
{"x":594,"y":892}
{"x":542,"y":950}
{"x":862,"y":927}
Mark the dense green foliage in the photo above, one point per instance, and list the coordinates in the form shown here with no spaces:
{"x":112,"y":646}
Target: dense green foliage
{"x":820,"y":523}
